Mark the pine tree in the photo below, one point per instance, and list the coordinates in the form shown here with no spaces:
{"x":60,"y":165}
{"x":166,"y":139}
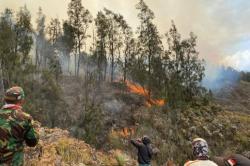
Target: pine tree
{"x":23,"y":30}
{"x":128,"y":47}
{"x":40,"y":40}
{"x":150,"y":44}
{"x":112,"y":39}
{"x":79,"y":19}
{"x":54,"y":31}
{"x":67,"y":41}
{"x":183,"y":68}
{"x":7,"y":45}
{"x":100,"y":54}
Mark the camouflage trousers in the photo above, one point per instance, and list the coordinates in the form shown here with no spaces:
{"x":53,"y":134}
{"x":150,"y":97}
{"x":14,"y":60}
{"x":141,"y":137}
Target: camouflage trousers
{"x":16,"y":160}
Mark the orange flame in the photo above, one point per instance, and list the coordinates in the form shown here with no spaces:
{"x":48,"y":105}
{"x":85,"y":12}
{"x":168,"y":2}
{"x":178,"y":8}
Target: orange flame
{"x":137,"y":89}
{"x":125,"y":132}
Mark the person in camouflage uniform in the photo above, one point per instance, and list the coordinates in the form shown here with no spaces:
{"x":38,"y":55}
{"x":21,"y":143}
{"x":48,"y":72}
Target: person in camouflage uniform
{"x":15,"y":129}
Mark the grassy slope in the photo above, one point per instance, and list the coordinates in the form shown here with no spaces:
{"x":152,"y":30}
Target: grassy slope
{"x":225,"y":130}
{"x":171,"y":131}
{"x":235,"y":97}
{"x":57,"y":148}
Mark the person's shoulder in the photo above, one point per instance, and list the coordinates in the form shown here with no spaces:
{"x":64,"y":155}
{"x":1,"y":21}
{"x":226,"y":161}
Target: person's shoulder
{"x":209,"y":163}
{"x":22,"y":116}
{"x":188,"y":163}
{"x":200,"y":162}
{"x":212,"y":163}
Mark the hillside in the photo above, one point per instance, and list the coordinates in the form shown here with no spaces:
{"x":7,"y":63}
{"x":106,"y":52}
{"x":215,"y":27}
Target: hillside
{"x":127,"y":114}
{"x":235,"y":97}
{"x":57,"y":148}
{"x":95,"y":80}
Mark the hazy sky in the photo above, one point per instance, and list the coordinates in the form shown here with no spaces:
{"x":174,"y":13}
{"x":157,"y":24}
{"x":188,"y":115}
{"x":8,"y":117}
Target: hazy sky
{"x":222,"y":26}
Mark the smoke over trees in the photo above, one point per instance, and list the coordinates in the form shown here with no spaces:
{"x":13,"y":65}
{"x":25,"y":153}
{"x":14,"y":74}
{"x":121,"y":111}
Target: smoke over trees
{"x":99,"y":78}
{"x":39,"y":59}
{"x":173,"y":73}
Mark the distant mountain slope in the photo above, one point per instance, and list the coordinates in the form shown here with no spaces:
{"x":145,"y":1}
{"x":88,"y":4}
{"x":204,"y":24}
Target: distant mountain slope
{"x":235,"y":97}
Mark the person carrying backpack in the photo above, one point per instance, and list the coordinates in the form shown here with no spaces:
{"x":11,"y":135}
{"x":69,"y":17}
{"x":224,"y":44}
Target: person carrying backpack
{"x":145,"y":151}
{"x":15,"y":128}
{"x":200,"y":152}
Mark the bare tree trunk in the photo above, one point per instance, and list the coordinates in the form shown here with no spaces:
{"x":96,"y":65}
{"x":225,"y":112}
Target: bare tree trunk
{"x":125,"y":68}
{"x":68,"y":63}
{"x":76,"y":62}
{"x":79,"y":58}
{"x":1,"y":81}
{"x":149,"y":74}
{"x":36,"y":60}
{"x":112,"y":62}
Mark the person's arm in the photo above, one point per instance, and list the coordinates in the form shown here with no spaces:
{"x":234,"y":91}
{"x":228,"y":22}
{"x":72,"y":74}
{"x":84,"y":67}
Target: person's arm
{"x":150,"y":150}
{"x":136,"y":143}
{"x":31,"y":136}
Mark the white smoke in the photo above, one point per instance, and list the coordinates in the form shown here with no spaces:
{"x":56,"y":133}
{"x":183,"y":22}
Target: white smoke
{"x":240,"y":60}
{"x":217,"y":76}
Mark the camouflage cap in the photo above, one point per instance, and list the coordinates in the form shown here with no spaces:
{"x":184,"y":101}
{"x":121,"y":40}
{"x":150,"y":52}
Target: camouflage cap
{"x":200,"y":147}
{"x":15,"y":93}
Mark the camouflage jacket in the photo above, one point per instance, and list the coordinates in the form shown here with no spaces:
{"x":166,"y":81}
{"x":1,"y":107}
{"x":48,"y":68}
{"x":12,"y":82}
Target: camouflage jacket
{"x":15,"y":129}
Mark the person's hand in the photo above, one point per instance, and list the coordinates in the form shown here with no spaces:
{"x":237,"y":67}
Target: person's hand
{"x":139,"y":140}
{"x":155,"y":151}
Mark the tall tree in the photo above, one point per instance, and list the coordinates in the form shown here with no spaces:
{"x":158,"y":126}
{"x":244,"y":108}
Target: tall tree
{"x":127,"y":43}
{"x":114,"y":42}
{"x":79,"y":19}
{"x":100,"y":54}
{"x":54,"y":31}
{"x":40,"y":39}
{"x":16,"y":42}
{"x":55,"y":34}
{"x":183,"y":67}
{"x":150,"y":44}
{"x":67,"y":41}
{"x":23,"y":29}
{"x":7,"y":45}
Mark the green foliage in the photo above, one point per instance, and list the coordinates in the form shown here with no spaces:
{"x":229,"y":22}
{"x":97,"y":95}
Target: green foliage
{"x":79,"y":19}
{"x":100,"y":54}
{"x":40,"y":55}
{"x":66,"y":42}
{"x":16,"y":41}
{"x":177,"y":128}
{"x":91,"y":120}
{"x":183,"y":67}
{"x":44,"y":101}
{"x":120,"y":160}
{"x":23,"y":29}
{"x":54,"y":31}
{"x":150,"y":47}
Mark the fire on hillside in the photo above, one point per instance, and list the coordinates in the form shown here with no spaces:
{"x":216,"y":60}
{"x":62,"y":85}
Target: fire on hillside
{"x":137,"y":89}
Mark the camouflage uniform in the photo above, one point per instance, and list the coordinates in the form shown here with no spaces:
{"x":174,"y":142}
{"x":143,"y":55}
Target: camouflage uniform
{"x":15,"y":129}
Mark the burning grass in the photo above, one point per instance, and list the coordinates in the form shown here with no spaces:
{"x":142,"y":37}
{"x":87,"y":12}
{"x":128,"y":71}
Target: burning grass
{"x":137,"y":89}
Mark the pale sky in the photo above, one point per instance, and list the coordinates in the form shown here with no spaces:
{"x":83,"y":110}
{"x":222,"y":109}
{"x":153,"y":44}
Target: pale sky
{"x":222,"y":26}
